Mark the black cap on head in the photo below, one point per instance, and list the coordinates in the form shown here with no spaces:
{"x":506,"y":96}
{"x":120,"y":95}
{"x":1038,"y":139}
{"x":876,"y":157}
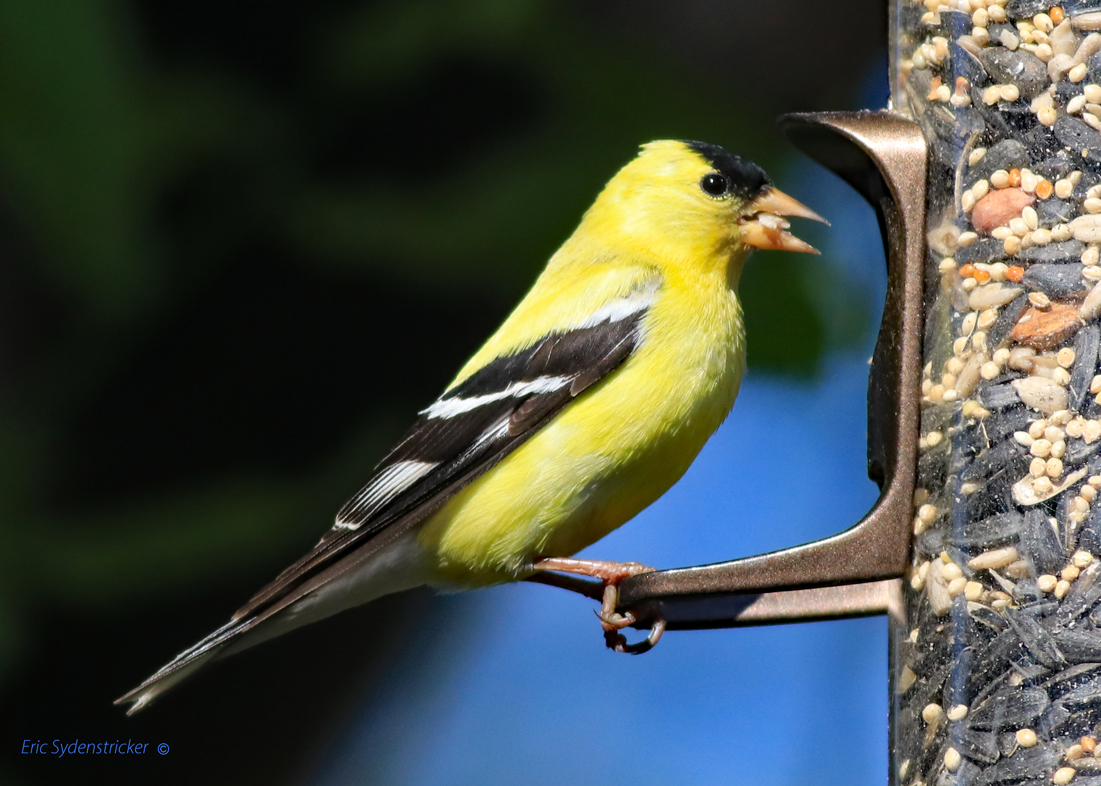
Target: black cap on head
{"x":747,"y":180}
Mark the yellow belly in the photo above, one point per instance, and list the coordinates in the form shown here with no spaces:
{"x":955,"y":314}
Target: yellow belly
{"x":608,"y":455}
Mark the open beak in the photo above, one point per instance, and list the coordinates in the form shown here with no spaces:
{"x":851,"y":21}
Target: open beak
{"x":764,"y":227}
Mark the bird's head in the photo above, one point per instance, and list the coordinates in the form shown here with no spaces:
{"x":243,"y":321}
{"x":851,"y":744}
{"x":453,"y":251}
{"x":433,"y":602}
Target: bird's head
{"x":698,"y":202}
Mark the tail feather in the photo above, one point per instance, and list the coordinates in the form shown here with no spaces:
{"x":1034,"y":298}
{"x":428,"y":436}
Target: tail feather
{"x":182,"y":666}
{"x":381,"y":571}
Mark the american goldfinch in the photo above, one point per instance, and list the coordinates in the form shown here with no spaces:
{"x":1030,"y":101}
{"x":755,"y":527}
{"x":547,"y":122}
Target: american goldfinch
{"x":589,"y":402}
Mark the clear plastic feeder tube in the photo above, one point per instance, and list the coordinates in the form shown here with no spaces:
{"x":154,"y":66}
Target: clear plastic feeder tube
{"x":997,"y":664}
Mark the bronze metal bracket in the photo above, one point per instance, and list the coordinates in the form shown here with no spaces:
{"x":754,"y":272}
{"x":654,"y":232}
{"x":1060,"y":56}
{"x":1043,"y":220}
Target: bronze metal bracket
{"x":854,"y":573}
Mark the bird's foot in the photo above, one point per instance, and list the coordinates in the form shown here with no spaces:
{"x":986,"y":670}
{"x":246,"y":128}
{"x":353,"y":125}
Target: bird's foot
{"x":610,"y":574}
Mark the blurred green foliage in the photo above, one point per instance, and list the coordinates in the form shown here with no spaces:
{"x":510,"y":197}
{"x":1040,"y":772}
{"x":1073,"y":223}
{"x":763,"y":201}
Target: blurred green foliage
{"x":243,"y":243}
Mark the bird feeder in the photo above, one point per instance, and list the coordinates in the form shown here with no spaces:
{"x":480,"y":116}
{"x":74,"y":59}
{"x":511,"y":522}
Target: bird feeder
{"x":984,"y":402}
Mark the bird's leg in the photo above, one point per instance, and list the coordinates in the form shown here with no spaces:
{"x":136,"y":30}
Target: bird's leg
{"x":610,"y":574}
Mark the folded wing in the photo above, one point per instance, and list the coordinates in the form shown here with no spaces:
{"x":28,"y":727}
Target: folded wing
{"x":463,"y":434}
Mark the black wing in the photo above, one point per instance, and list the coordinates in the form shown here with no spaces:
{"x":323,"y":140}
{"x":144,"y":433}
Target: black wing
{"x":467,"y":431}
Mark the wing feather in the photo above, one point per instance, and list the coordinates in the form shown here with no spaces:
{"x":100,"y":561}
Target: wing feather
{"x":471,"y":428}
{"x":468,"y":430}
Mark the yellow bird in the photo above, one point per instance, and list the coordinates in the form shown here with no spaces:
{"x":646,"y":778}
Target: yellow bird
{"x":586,"y":405}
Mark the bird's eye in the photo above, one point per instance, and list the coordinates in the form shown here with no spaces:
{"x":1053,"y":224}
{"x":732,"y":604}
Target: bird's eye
{"x":715,"y":184}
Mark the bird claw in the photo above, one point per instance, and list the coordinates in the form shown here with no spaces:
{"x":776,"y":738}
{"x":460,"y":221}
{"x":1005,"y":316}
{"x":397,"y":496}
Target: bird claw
{"x":618,"y":642}
{"x":612,"y":621}
{"x":616,"y":621}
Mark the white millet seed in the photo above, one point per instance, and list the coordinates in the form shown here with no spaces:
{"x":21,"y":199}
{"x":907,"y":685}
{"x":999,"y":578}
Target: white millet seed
{"x":1062,"y":776}
{"x":1028,"y":181}
{"x":1041,"y":448}
{"x":967,"y":327}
